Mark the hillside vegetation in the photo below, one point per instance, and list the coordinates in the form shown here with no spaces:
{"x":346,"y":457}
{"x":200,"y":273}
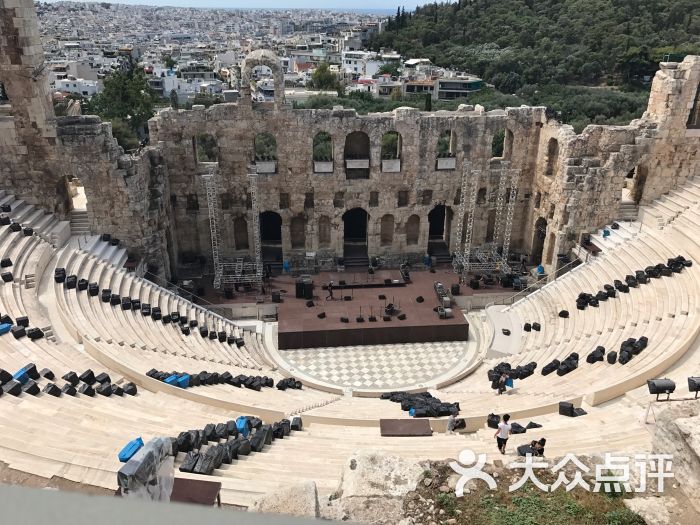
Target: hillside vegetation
{"x":590,"y":61}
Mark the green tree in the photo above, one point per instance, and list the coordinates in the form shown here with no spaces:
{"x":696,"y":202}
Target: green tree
{"x":324,"y":78}
{"x":169,"y":62}
{"x":389,"y":69}
{"x":126,"y":98}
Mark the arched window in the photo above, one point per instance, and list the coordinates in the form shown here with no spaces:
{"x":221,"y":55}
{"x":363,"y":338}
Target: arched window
{"x":538,"y":200}
{"x":386,"y":233}
{"x":412,"y":230}
{"x":391,"y":152}
{"x":497,"y":143}
{"x":446,"y":151}
{"x":206,"y":148}
{"x":240,"y":233}
{"x":324,"y":231}
{"x":297,"y":231}
{"x":552,"y":156}
{"x":323,"y":152}
{"x":357,"y":155}
{"x":323,"y":147}
{"x":265,"y":147}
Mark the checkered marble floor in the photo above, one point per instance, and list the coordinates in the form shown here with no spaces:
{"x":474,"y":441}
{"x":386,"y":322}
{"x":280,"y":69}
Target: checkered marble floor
{"x":380,"y":366}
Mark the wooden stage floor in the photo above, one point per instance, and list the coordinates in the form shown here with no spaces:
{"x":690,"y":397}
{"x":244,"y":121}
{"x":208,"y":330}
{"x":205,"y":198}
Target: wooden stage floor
{"x":300,"y":327}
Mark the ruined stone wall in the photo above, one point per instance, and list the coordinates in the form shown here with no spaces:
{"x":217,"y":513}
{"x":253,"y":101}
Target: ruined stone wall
{"x":235,"y":127}
{"x":127,"y":196}
{"x":28,"y":154}
{"x":156,"y":203}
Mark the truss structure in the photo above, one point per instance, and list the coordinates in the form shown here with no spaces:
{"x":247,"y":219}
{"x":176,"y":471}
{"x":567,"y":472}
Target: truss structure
{"x":493,"y":256}
{"x":212,"y":189}
{"x":240,"y":270}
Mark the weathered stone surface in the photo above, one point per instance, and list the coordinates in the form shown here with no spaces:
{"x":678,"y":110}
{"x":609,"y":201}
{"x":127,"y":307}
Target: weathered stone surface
{"x":678,"y":433}
{"x":155,"y":202}
{"x":297,"y":500}
{"x":372,"y":487}
{"x":652,"y":510}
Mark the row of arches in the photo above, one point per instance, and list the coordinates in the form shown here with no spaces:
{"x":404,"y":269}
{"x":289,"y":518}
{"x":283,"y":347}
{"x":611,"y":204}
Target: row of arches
{"x":355,"y":228}
{"x":357,"y":146}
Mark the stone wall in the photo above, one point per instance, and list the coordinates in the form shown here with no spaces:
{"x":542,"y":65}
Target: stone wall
{"x":156,"y":204}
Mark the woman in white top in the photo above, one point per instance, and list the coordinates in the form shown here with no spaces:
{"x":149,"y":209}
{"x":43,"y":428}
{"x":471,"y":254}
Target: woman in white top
{"x":503,"y":433}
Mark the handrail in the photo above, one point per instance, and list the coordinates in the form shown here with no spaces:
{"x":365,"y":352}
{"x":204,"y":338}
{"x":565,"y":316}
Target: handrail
{"x":557,"y":273}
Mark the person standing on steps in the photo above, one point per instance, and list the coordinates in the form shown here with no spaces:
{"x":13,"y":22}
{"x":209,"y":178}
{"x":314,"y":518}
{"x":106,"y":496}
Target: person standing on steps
{"x":503,"y":433}
{"x":330,"y":291}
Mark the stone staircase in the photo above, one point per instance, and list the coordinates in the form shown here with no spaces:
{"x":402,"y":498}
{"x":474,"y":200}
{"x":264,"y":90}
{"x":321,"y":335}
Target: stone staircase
{"x":628,"y":211}
{"x":439,"y":250}
{"x":105,"y":250}
{"x":46,"y":225}
{"x":79,"y":224}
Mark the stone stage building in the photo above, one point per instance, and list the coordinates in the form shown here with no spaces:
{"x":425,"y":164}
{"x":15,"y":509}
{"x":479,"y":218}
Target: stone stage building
{"x":332,"y":183}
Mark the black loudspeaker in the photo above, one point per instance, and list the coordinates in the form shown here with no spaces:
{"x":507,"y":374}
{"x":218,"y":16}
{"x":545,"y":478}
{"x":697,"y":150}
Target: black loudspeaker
{"x":276,"y":297}
{"x":419,"y":299}
{"x":387,"y":318}
{"x":7,"y":277}
{"x":382,"y":297}
{"x":527,"y":327}
{"x":322,"y":315}
{"x":612,"y":358}
{"x":566,"y":409}
{"x":28,"y":232}
{"x":106,"y":237}
{"x":299,"y":289}
{"x":402,"y":317}
{"x":372,"y":319}
{"x":565,"y":313}
{"x":309,"y":290}
{"x":344,"y":320}
{"x":4,"y":220}
{"x":5,"y":263}
{"x":6,"y":208}
{"x":309,"y":304}
{"x":360,"y":319}
{"x":15,"y":227}
{"x":22,"y":321}
{"x":347,"y":298}
{"x":505,"y":331}
{"x":536,"y":327}
{"x":455,"y":289}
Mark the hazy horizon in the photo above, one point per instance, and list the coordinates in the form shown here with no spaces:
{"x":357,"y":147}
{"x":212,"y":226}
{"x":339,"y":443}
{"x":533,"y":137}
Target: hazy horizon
{"x":373,"y":5}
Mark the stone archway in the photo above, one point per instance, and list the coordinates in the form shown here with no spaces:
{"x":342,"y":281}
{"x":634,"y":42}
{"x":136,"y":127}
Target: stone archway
{"x":355,"y":223}
{"x":263,"y":57}
{"x":538,"y":237}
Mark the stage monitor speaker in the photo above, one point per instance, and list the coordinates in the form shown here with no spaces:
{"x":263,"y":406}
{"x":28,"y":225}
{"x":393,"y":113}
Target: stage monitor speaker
{"x":694,"y":385}
{"x":342,"y":282}
{"x":309,"y":290}
{"x":309,"y":304}
{"x":420,"y":299}
{"x":566,"y":409}
{"x":322,"y":315}
{"x":455,"y":289}
{"x":387,"y":318}
{"x":505,"y":331}
{"x":360,"y":319}
{"x":347,"y":298}
{"x":299,"y":289}
{"x":382,"y":297}
{"x":344,"y":320}
{"x":276,"y":297}
{"x":372,"y":319}
{"x":402,"y":317}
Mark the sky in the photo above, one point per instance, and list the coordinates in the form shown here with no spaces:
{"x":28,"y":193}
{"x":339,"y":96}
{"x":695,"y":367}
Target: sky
{"x":329,"y":4}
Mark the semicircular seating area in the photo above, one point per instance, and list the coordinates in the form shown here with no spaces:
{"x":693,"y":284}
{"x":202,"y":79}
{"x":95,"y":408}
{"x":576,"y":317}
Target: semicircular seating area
{"x":77,"y":438}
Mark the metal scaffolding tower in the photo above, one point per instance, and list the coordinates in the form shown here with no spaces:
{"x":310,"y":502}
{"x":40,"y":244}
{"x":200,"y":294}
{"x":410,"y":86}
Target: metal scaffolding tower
{"x":510,"y":212}
{"x":255,"y":210}
{"x":211,"y":187}
{"x":500,"y":203}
